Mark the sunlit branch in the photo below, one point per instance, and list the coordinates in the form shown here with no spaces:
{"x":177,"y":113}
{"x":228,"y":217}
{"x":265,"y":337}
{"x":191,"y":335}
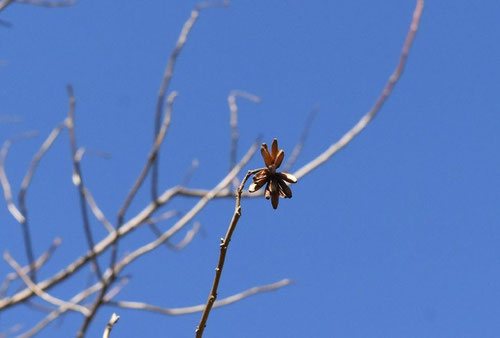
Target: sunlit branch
{"x":40,"y":293}
{"x":199,"y":308}
{"x":26,"y":269}
{"x":370,"y":115}
{"x":48,"y":3}
{"x":78,"y":180}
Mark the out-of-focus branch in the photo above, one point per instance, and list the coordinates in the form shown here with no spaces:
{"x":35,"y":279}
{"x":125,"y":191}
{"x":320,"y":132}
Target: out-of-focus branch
{"x":78,"y":180}
{"x":370,"y":115}
{"x":233,"y":120}
{"x":222,"y":257}
{"x":27,"y":269}
{"x":190,"y":172}
{"x":152,"y":157}
{"x":61,"y":310}
{"x":109,"y":326}
{"x":190,"y":214}
{"x":199,"y":308}
{"x":40,"y":293}
{"x":48,"y":3}
{"x":25,"y":184}
{"x":5,"y":3}
{"x":167,"y":77}
{"x":15,"y":212}
{"x":98,"y":214}
{"x":184,"y":242}
{"x":302,"y":140}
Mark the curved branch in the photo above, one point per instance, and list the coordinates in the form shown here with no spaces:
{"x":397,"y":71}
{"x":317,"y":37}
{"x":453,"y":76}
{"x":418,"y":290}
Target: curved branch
{"x":370,"y":115}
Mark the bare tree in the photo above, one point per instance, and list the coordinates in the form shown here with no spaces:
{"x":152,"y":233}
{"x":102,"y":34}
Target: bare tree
{"x":109,"y":278}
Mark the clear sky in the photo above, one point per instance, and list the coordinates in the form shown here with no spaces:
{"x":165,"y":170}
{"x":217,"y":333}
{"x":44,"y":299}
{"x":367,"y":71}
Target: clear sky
{"x":398,"y":235}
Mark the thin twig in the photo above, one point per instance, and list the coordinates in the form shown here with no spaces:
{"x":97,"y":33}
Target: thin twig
{"x":78,"y":180}
{"x":128,"y":200}
{"x":184,"y":242}
{"x":48,"y":3}
{"x":109,"y":326}
{"x":181,"y":223}
{"x":61,"y":310}
{"x":115,"y":269}
{"x":15,"y":212}
{"x":25,"y":184}
{"x":26,"y":269}
{"x":153,"y":154}
{"x":370,"y":115}
{"x":201,"y":307}
{"x":167,"y":77}
{"x":233,"y":120}
{"x":40,"y":293}
{"x":222,"y":256}
{"x":190,"y":172}
{"x":302,"y":140}
{"x":99,"y":215}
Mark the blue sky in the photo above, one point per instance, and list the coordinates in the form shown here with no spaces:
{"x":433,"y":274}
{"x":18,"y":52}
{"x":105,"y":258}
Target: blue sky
{"x":396,"y":236}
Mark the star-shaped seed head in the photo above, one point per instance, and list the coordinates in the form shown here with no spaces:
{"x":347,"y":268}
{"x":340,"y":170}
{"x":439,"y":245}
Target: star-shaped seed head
{"x":276,"y":182}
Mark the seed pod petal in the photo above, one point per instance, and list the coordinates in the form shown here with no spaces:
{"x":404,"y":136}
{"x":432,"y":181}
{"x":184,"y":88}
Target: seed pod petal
{"x":285,"y":189}
{"x":275,"y":199}
{"x":267,"y":193}
{"x":288,"y":177}
{"x":274,"y":148}
{"x":265,"y":155}
{"x":279,"y":159}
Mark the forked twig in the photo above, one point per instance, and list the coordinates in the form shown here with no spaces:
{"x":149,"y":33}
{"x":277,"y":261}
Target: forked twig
{"x":27,"y":269}
{"x":222,"y":256}
{"x":40,"y":293}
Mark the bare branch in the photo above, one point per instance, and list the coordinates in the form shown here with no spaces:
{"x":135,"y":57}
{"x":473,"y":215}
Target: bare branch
{"x":233,"y":120}
{"x":153,"y":154}
{"x":370,"y":115}
{"x":99,"y":215}
{"x":18,"y":214}
{"x":5,"y":3}
{"x":78,"y":180}
{"x":109,"y":326}
{"x":189,"y":215}
{"x":190,"y":172}
{"x":199,"y":308}
{"x":48,"y":3}
{"x":222,"y":257}
{"x":26,"y":269}
{"x":302,"y":140}
{"x":61,"y":310}
{"x":25,"y":184}
{"x":167,"y":77}
{"x":184,"y":242}
{"x":116,"y":268}
{"x":40,"y":293}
